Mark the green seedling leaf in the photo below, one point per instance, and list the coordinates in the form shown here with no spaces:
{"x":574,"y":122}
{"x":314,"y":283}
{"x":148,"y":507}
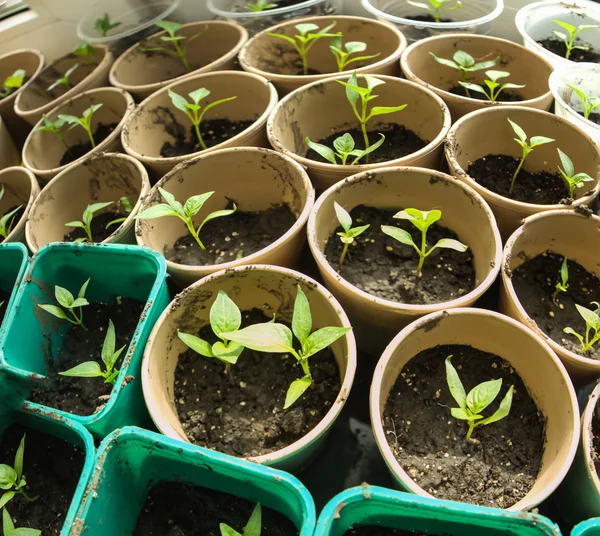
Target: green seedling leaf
{"x":301,"y":319}
{"x":322,"y":338}
{"x":296,"y":390}
{"x":89,"y":369}
{"x":268,"y":337}
{"x":197,"y":344}
{"x":225,"y":315}
{"x":481,"y":396}
{"x":503,"y":410}
{"x":455,"y":386}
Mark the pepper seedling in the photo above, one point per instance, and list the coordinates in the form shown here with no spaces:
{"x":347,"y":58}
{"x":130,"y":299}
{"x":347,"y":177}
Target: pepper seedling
{"x":422,"y":220}
{"x":589,"y":103}
{"x":12,"y":481}
{"x":86,"y":52}
{"x":343,"y":148}
{"x":495,"y":88}
{"x":64,"y":79}
{"x":465,"y":64}
{"x":252,"y":528}
{"x":7,"y":221}
{"x":343,"y":52}
{"x":436,"y":8}
{"x":8,"y":527}
{"x":104,"y":25}
{"x":185,"y":213}
{"x":70,"y":303}
{"x":349,"y":233}
{"x":562,"y":285}
{"x":308,"y":34}
{"x":55,"y":127}
{"x":179,"y":42}
{"x":592,"y":323}
{"x":86,"y":224}
{"x":277,"y":338}
{"x":571,"y":35}
{"x":12,"y":83}
{"x":261,"y":5}
{"x":85,"y":121}
{"x":521,"y":139}
{"x":193,"y":110}
{"x":573,"y":180}
{"x":126,"y":205}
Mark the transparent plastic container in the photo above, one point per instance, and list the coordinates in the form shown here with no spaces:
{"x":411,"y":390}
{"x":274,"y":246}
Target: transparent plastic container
{"x":475,"y":16}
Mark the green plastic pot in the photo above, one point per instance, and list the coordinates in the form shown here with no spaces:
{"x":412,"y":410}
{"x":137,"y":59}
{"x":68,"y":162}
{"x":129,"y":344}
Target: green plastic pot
{"x":131,"y":460}
{"x":372,"y":505}
{"x":591,"y":527}
{"x":115,"y":270}
{"x":13,"y":262}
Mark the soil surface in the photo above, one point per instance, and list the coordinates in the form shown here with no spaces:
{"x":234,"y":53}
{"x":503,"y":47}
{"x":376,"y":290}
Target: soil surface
{"x":177,"y":509}
{"x":427,"y":18}
{"x":99,"y":230}
{"x":86,"y":396}
{"x":246,"y":418}
{"x":232,"y":237}
{"x":500,"y":466}
{"x":535,"y":281}
{"x":399,"y":142}
{"x":52,"y":468}
{"x":558,"y":47}
{"x":382,"y":266}
{"x":495,"y":172}
{"x":4,"y":298}
{"x":505,"y":96}
{"x":80,"y":149}
{"x":593,"y":117}
{"x":372,"y":530}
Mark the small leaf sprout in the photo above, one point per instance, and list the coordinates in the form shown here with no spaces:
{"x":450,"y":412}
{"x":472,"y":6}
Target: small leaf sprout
{"x":592,"y":323}
{"x":589,"y":103}
{"x":8,"y":527}
{"x":179,"y":42}
{"x":12,"y":481}
{"x":465,"y":64}
{"x":104,"y":25}
{"x":495,"y":88}
{"x":349,"y":233}
{"x":12,"y":83}
{"x":571,"y":35}
{"x":85,"y":121}
{"x":252,"y":528}
{"x":86,"y":52}
{"x":86,"y":224}
{"x":8,"y":220}
{"x":127,"y":207}
{"x":55,"y":127}
{"x":343,"y":148}
{"x":344,"y":52}
{"x":261,"y":5}
{"x":573,"y":180}
{"x":437,"y":8}
{"x":563,"y":284}
{"x":70,"y":303}
{"x":64,"y":79}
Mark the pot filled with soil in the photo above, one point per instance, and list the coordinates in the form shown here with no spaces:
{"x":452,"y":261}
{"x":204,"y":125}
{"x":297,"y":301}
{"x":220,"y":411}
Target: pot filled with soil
{"x":18,"y":191}
{"x":255,"y":213}
{"x":153,"y":63}
{"x":86,"y":125}
{"x":161,"y":135}
{"x":384,"y":284}
{"x":550,"y":270}
{"x":405,"y":125}
{"x":456,"y":67}
{"x":515,"y":158}
{"x":99,"y":197}
{"x":239,"y":415}
{"x":470,"y":405}
{"x":81,"y":70}
{"x":278,"y":60}
{"x":13,"y":262}
{"x":9,"y":154}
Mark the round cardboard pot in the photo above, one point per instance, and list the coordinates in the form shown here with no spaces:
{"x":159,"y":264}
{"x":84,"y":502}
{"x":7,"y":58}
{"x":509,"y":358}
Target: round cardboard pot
{"x":35,"y":101}
{"x":376,"y":320}
{"x":143,"y":73}
{"x":256,"y":179}
{"x":43,"y":151}
{"x":320,"y":108}
{"x":542,"y":373}
{"x":267,"y":287}
{"x":488,"y":131}
{"x":277,"y":60}
{"x":20,"y":188}
{"x":9,"y":155}
{"x":101,"y":178}
{"x":570,"y":234}
{"x":524,"y":66}
{"x":146,"y":129}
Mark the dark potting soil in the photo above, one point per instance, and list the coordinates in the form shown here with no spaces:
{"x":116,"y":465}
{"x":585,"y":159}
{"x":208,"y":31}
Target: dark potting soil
{"x":247,"y":418}
{"x":427,"y":18}
{"x":99,"y":230}
{"x":399,"y":142}
{"x":495,"y":172}
{"x":558,"y":47}
{"x":500,"y":466}
{"x":86,"y":396}
{"x":382,"y":266}
{"x":593,"y":117}
{"x":4,"y":298}
{"x":178,"y":509}
{"x":505,"y":96}
{"x":535,"y":281}
{"x":52,"y":468}
{"x":232,"y":237}
{"x":596,"y":439}
{"x":80,"y":149}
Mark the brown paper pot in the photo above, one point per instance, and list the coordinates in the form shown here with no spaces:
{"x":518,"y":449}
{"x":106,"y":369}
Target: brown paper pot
{"x":320,"y":108}
{"x":43,"y":151}
{"x":524,"y":66}
{"x":35,"y":101}
{"x":20,"y":188}
{"x":487,"y":131}
{"x":277,"y":60}
{"x":146,"y":129}
{"x":569,"y":234}
{"x":143,"y":73}
{"x":542,"y":373}
{"x":270,"y":288}
{"x":102,"y":178}
{"x":376,"y":320}
{"x":256,"y":179}
{"x":9,"y":155}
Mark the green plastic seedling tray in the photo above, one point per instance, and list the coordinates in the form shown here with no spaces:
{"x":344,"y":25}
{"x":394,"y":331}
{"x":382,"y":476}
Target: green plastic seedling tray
{"x":372,"y":505}
{"x":131,"y":460}
{"x":32,"y":336}
{"x":13,"y":263}
{"x":591,"y":527}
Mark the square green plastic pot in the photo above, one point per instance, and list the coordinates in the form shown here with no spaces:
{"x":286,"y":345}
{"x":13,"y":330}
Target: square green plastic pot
{"x":131,"y":460}
{"x":591,"y":527}
{"x":32,"y":336}
{"x":372,"y":505}
{"x":13,"y":262}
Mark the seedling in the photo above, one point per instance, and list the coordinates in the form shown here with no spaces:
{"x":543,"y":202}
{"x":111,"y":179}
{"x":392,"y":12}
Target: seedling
{"x":8,"y":527}
{"x":422,"y":220}
{"x":562,"y":285}
{"x":261,"y":5}
{"x":64,"y":79}
{"x":85,"y":121}
{"x":495,"y":88}
{"x":85,"y":51}
{"x":225,"y":316}
{"x":12,"y":481}
{"x":252,"y":528}
{"x":308,"y":34}
{"x":573,"y":180}
{"x":277,"y":338}
{"x":480,"y":397}
{"x":571,"y":35}
{"x":185,"y":213}
{"x":521,"y":139}
{"x":592,"y":323}
{"x":343,"y":148}
{"x":70,"y":303}
{"x":7,"y":221}
{"x":179,"y":42}
{"x":193,"y":110}
{"x":437,"y":8}
{"x":104,"y":25}
{"x":354,"y":93}
{"x":86,"y":224}
{"x":127,"y":206}
{"x":12,"y":83}
{"x":344,"y":52}
{"x":349,"y":233}
{"x":589,"y":103}
{"x":55,"y":127}
{"x":465,"y":64}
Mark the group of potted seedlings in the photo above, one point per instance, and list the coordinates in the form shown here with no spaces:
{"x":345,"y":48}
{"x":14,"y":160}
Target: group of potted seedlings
{"x":415,"y":194}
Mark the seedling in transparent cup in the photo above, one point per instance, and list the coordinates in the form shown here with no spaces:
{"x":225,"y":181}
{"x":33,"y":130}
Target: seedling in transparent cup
{"x":261,"y":5}
{"x":437,"y":8}
{"x":572,"y":32}
{"x":588,"y":102}
{"x":104,"y":25}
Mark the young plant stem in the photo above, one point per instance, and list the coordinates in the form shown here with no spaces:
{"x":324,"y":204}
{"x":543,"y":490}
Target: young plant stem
{"x":514,"y":177}
{"x":200,"y":139}
{"x":422,"y":253}
{"x":194,"y":233}
{"x":343,"y":255}
{"x":182,"y":56}
{"x":78,"y":319}
{"x":363,"y":126}
{"x":89,"y":132}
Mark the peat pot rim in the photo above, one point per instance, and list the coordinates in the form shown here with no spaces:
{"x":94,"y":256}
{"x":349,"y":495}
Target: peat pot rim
{"x":39,"y":69}
{"x":20,"y":225}
{"x":586,"y":434}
